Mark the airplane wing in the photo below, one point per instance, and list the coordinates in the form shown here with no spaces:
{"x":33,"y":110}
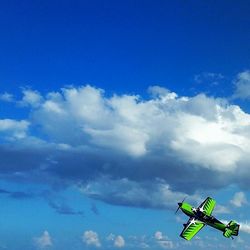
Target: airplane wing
{"x":191,"y":228}
{"x":207,"y":206}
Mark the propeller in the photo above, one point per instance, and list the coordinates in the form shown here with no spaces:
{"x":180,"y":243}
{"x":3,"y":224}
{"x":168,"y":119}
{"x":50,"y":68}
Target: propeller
{"x":179,"y":205}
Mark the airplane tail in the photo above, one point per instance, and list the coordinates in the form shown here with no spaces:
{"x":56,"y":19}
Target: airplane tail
{"x":232,"y":229}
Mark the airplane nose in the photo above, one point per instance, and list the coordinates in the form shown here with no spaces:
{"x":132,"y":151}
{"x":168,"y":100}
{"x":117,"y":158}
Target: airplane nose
{"x":179,"y":204}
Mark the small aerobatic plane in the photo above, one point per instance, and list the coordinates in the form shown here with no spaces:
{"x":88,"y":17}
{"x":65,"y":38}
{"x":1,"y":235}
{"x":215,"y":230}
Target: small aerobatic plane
{"x":201,"y":216}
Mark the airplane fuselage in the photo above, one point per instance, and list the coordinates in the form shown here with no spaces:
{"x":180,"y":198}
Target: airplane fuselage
{"x":199,"y":215}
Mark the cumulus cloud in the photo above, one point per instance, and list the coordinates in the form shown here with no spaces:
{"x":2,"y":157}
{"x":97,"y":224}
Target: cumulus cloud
{"x":44,"y":240}
{"x":163,"y":146}
{"x":158,"y":235}
{"x":31,"y":98}
{"x":91,"y":238}
{"x":119,"y":241}
{"x":239,"y":199}
{"x":242,"y":84}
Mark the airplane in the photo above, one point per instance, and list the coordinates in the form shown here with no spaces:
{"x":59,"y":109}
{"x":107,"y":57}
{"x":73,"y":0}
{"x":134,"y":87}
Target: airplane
{"x":201,"y":216}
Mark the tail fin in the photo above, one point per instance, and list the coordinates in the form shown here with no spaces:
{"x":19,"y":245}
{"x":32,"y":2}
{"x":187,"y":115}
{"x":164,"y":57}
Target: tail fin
{"x":233,"y":227}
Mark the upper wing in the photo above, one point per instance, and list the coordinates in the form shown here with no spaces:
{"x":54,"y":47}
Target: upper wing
{"x":191,"y":229}
{"x":207,"y":206}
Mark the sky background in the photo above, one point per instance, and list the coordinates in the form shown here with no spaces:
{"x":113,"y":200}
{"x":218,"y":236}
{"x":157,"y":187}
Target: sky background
{"x":111,"y":112}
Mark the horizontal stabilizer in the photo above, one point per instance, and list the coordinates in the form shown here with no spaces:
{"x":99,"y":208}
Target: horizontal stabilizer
{"x":232,"y":229}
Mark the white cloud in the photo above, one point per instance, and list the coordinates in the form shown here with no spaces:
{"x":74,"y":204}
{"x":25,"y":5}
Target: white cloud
{"x":12,"y":129}
{"x":244,"y":226}
{"x":242,"y":84}
{"x":31,"y":97}
{"x":91,"y":238}
{"x":163,"y":240}
{"x":158,"y":235}
{"x":162,"y":146}
{"x":239,"y":199}
{"x":44,"y":240}
{"x":199,"y":130}
{"x":119,"y":241}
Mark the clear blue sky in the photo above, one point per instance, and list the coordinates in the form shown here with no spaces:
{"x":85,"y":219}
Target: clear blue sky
{"x":113,"y":111}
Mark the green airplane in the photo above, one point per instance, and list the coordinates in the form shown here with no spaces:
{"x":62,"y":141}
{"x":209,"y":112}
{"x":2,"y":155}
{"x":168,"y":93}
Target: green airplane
{"x":201,"y":216}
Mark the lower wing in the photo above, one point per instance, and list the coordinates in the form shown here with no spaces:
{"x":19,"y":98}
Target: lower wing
{"x":191,"y":228}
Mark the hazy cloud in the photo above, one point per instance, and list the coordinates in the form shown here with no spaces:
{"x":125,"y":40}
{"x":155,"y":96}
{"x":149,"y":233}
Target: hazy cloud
{"x":6,"y":97}
{"x":209,"y":78}
{"x":63,"y":208}
{"x":163,"y":240}
{"x":95,"y":209}
{"x":219,"y":209}
{"x":158,"y":91}
{"x":245,"y":227}
{"x":239,"y":199}
{"x":242,"y":85}
{"x":17,"y":194}
{"x":44,"y":240}
{"x":155,"y":194}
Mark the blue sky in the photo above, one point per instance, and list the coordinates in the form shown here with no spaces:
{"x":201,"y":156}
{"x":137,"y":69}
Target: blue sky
{"x":112,"y":112}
